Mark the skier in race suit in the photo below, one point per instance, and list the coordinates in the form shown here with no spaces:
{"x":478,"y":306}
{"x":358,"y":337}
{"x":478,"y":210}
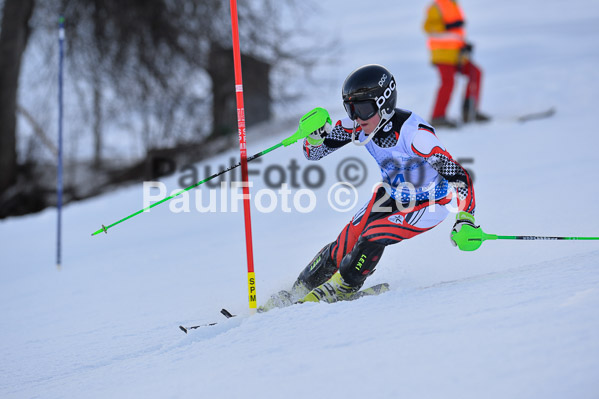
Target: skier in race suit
{"x":417,"y":178}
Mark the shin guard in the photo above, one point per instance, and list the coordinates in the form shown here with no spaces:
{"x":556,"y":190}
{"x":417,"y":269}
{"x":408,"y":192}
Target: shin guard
{"x":319,"y":270}
{"x":360,"y":262}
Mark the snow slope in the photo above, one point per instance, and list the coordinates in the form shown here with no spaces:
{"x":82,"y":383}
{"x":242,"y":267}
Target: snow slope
{"x":514,"y":319}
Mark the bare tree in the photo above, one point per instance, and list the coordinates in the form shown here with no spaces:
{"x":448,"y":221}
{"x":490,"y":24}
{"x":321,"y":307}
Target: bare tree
{"x":13,"y":40}
{"x":158,"y":70}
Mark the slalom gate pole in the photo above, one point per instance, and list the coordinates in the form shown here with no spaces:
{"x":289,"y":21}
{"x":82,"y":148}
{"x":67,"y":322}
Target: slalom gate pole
{"x":243,"y":152}
{"x":61,"y":36}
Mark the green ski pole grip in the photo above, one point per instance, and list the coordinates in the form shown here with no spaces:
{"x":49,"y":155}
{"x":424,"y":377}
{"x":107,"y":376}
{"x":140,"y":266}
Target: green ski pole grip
{"x":310,"y":122}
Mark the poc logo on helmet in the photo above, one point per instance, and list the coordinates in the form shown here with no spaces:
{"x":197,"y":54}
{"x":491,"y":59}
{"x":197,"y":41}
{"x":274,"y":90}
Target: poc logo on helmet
{"x":388,"y":91}
{"x":383,"y":80}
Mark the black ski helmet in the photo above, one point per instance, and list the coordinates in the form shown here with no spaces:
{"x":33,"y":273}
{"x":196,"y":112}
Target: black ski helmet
{"x":371,"y":84}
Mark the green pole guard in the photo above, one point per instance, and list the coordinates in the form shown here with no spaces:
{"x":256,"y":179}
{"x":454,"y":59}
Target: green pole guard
{"x":309,"y":123}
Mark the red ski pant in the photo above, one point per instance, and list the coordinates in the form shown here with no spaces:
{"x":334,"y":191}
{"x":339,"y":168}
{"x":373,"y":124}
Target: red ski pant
{"x":382,"y":221}
{"x":447,"y":73}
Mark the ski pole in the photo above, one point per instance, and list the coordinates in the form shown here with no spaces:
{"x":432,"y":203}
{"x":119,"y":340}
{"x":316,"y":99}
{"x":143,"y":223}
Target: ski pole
{"x":470,"y":238}
{"x":498,"y":237}
{"x":310,"y":122}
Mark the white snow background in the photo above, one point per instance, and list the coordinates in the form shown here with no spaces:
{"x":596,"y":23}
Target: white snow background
{"x":514,"y":319}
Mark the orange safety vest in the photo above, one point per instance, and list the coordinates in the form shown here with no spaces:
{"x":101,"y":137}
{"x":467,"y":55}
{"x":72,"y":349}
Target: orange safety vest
{"x":454,"y":35}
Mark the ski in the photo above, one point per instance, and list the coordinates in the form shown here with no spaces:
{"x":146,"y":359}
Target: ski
{"x":223,"y":311}
{"x":536,"y":115}
{"x":374,"y":290}
{"x":284,"y":299}
{"x":521,"y":118}
{"x":226,"y":313}
{"x":186,"y":329}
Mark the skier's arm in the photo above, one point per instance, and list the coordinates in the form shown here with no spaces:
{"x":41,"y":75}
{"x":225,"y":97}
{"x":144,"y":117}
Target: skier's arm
{"x":315,"y":148}
{"x":427,"y":145}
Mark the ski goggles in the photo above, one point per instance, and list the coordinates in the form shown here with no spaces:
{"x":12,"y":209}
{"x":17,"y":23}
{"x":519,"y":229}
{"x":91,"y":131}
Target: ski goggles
{"x":360,"y":109}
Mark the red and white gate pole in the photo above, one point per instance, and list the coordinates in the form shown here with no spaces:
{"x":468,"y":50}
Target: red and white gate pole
{"x":243,"y":152}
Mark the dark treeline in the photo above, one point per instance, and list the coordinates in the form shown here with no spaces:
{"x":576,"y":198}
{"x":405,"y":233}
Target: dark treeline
{"x":161,"y":70}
